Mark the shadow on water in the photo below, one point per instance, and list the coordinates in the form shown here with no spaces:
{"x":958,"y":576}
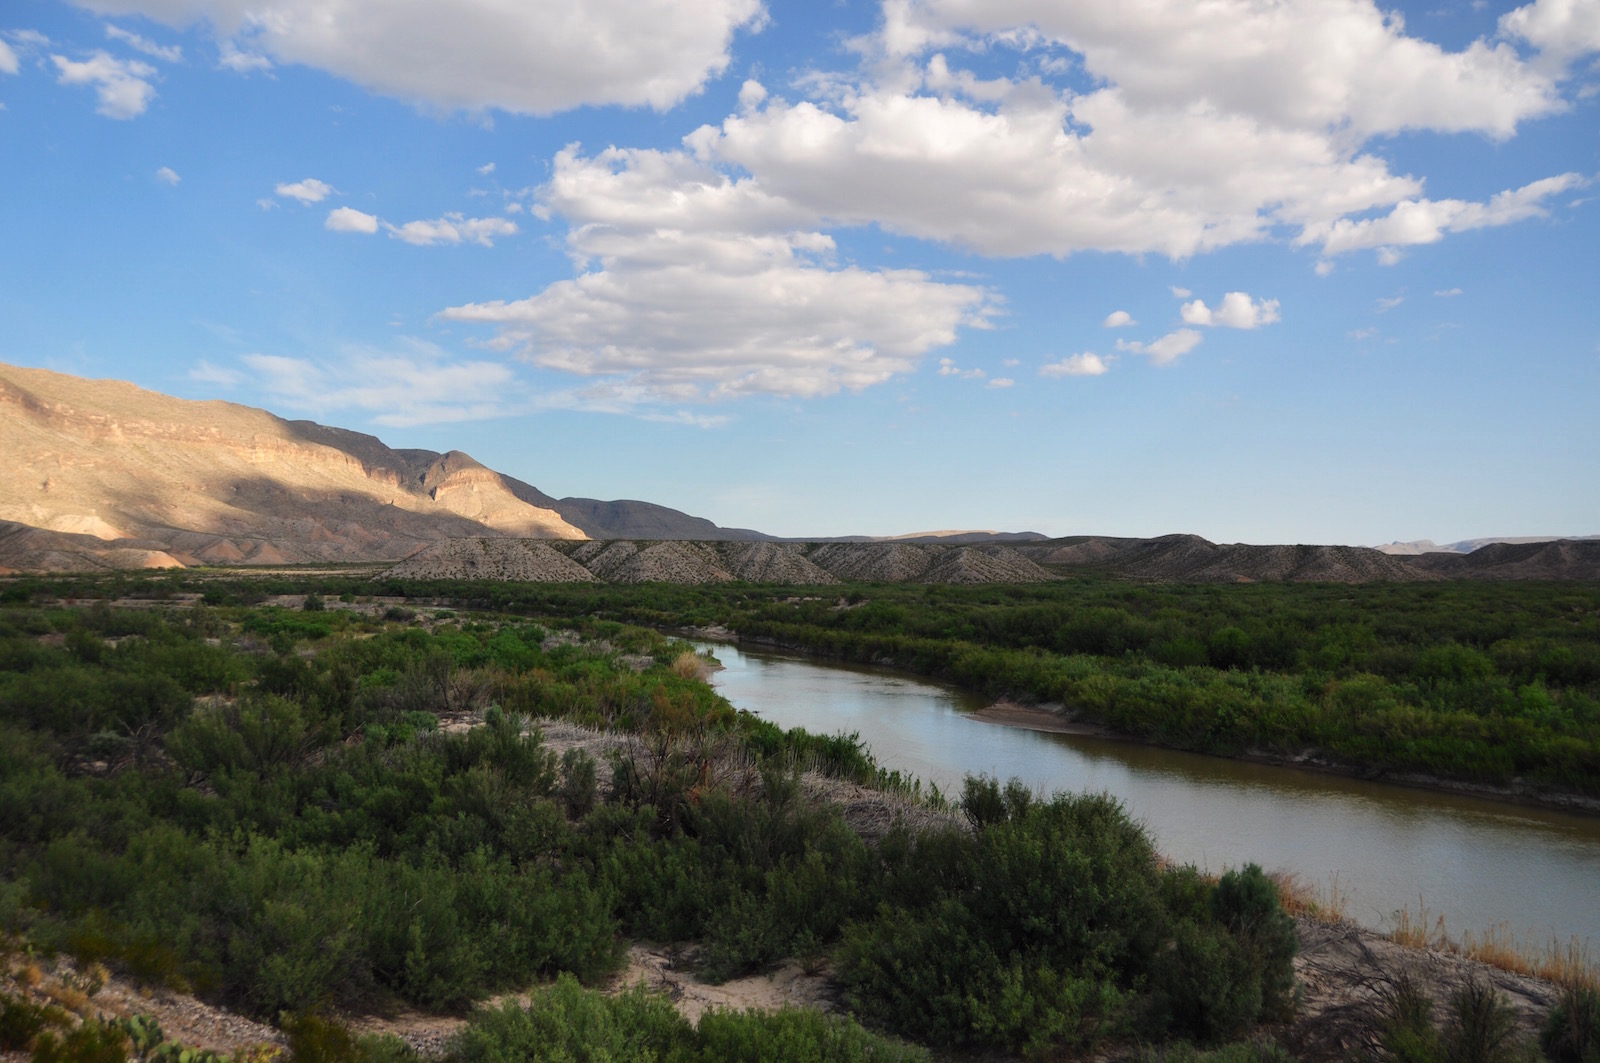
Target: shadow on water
{"x":1477,"y":862}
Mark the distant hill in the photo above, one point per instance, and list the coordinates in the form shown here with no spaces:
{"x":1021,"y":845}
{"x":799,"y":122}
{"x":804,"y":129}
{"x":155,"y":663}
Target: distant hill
{"x":1467,"y":546}
{"x":103,"y":474}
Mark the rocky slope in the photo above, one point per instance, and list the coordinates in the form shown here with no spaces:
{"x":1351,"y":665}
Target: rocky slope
{"x":103,"y":474}
{"x":1561,"y":559}
{"x":1191,"y":559}
{"x":641,"y":561}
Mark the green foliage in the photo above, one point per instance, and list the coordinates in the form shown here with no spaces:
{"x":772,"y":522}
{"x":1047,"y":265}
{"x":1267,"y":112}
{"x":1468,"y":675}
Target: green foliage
{"x":1478,"y":1026}
{"x":1571,"y":1033}
{"x":565,"y":1022}
{"x":21,"y":1021}
{"x":92,"y":1041}
{"x":1037,"y":931}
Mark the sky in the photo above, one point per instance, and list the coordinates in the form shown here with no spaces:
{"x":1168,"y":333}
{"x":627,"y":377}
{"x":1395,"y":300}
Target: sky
{"x":1259,"y":270}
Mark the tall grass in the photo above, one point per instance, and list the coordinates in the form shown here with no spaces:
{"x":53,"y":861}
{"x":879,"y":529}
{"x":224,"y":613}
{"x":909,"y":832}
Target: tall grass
{"x":1572,"y":962}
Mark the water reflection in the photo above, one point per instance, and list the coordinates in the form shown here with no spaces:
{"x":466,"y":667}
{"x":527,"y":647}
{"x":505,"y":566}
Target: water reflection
{"x":1477,"y":862}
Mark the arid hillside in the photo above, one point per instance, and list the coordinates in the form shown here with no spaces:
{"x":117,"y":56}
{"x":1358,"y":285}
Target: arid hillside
{"x":103,"y":474}
{"x":643,"y":561}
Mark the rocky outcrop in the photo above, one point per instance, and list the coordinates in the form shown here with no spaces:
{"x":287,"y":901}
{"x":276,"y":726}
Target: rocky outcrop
{"x":797,"y":564}
{"x":134,"y":474}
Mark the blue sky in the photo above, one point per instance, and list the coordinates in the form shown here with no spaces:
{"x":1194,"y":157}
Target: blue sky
{"x":1288,"y":272}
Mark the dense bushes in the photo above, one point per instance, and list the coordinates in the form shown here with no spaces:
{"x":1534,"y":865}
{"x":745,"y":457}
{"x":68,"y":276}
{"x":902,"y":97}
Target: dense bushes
{"x":296,"y":829}
{"x":1040,"y":929}
{"x":566,"y":1022}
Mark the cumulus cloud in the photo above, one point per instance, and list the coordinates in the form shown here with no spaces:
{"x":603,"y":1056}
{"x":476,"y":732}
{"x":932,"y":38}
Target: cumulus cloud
{"x":486,"y":169}
{"x":8,"y":59}
{"x":1426,"y":221}
{"x":308,"y":191}
{"x":1118,"y":319}
{"x":1085,"y":364}
{"x":1208,"y":125}
{"x":531,"y":57}
{"x":168,"y":176}
{"x":121,"y":86}
{"x":1001,"y":382}
{"x":169,"y":53}
{"x":418,"y":384}
{"x":1237,"y":310}
{"x":693,"y":285}
{"x":1564,"y":29}
{"x":1447,"y":293}
{"x":453,"y":229}
{"x":350,"y":220}
{"x":1167,"y":349}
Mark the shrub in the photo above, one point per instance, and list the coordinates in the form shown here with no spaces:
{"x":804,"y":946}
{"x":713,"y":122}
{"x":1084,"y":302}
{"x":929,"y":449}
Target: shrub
{"x":22,"y":1020}
{"x":566,"y":1022}
{"x":1482,"y":1027}
{"x":1571,"y":1033}
{"x":91,"y":1042}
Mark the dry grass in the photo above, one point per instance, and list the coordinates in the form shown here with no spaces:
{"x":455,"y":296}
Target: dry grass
{"x":1567,"y":963}
{"x":1325,"y":904}
{"x":689,"y":665}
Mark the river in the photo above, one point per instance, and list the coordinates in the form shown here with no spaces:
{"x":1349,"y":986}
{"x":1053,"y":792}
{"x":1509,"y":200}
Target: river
{"x":1481,"y":864}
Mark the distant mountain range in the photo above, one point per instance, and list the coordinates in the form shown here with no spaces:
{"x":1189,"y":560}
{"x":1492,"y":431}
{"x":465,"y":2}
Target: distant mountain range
{"x":1467,"y":546}
{"x":103,"y":475}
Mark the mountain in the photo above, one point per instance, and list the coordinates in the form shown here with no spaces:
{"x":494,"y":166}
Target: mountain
{"x":1191,"y":559}
{"x":1467,"y":546}
{"x":103,"y":474}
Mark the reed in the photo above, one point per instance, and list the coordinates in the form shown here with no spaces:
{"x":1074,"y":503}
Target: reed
{"x":1572,"y":962}
{"x":1325,"y":904}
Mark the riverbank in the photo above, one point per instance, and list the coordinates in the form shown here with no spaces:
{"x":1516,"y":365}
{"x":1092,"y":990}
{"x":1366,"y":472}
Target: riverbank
{"x":1060,"y":719}
{"x":1057,"y":719}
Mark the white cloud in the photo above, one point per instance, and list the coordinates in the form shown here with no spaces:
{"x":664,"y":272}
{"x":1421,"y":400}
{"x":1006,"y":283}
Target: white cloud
{"x":8,"y":59}
{"x":1085,"y":364}
{"x":453,"y":229}
{"x":308,"y":191}
{"x":1207,"y":125}
{"x":229,"y":57}
{"x":416,"y":385}
{"x":167,"y":175}
{"x":1118,"y":319}
{"x":1001,"y":382}
{"x":486,"y":169}
{"x":1010,"y":361}
{"x":1385,"y":304}
{"x":350,"y":220}
{"x":1237,"y":310}
{"x":120,"y":84}
{"x":532,"y":57}
{"x":1167,"y":349}
{"x":1425,"y":221}
{"x":948,"y":367}
{"x":1298,"y":64}
{"x":1447,"y":293}
{"x":1564,"y":28}
{"x":170,"y":53}
{"x":1180,"y":293}
{"x":692,"y":285}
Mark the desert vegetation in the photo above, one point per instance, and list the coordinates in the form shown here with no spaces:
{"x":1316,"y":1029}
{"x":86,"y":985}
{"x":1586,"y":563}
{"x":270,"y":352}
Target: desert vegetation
{"x":1472,"y":682}
{"x":297,"y":812}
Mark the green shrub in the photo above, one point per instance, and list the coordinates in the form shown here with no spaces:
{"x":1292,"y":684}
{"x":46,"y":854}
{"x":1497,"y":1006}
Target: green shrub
{"x":1571,"y":1033}
{"x":21,"y":1021}
{"x":564,"y":1022}
{"x":1482,"y":1027}
{"x":794,"y":1035}
{"x":92,"y":1041}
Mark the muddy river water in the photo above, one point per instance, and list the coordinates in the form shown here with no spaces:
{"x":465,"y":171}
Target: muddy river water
{"x":1478,"y":863}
